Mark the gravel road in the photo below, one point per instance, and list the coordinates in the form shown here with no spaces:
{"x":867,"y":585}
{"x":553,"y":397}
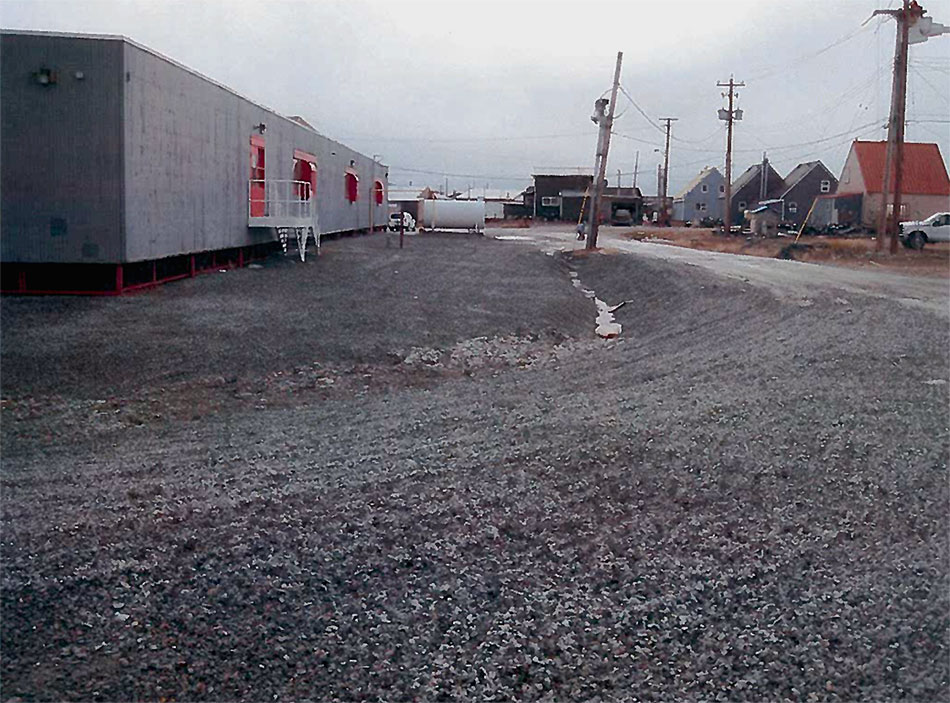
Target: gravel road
{"x":417,"y":475}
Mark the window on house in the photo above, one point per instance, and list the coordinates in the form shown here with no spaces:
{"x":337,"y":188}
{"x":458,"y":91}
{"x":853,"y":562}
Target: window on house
{"x":550,"y":201}
{"x":793,"y":208}
{"x":722,"y":189}
{"x":826,"y":186}
{"x":701,"y":207}
{"x":705,"y":188}
{"x":351,"y":186}
{"x":378,"y":192}
{"x":742,"y":204}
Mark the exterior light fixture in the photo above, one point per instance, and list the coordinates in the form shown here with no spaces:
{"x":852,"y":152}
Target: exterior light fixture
{"x":261,"y":127}
{"x":45,"y":76}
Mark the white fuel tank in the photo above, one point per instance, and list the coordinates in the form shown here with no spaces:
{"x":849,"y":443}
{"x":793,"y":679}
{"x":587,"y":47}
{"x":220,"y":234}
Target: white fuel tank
{"x":452,"y":214}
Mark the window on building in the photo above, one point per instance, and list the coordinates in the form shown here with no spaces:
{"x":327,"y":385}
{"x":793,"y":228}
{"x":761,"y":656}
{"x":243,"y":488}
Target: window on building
{"x":742,"y":204}
{"x":305,"y":173}
{"x":705,"y":188}
{"x":722,"y":189}
{"x":793,"y":208}
{"x":256,"y":190}
{"x":826,"y":186}
{"x":378,"y":192}
{"x":550,"y":201}
{"x":701,"y":207}
{"x":351,"y":186}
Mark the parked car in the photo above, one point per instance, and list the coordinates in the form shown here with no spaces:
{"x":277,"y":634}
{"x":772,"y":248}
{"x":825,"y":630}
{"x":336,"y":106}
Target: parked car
{"x":398,"y":219}
{"x":621,"y":217}
{"x":935,"y":228}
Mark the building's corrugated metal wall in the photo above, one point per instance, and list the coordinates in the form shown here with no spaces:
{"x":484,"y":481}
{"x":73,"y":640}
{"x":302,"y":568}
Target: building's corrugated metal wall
{"x":188,"y":163}
{"x":61,"y":160}
{"x":176,"y":141}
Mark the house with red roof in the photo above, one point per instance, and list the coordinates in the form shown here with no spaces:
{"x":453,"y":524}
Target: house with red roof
{"x":926,"y":185}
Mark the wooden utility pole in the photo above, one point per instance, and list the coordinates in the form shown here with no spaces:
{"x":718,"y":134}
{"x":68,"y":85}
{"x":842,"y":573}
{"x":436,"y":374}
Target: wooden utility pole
{"x":636,"y":168}
{"x":894,"y":154}
{"x":603,"y":146}
{"x":664,"y":218}
{"x":730,"y":115}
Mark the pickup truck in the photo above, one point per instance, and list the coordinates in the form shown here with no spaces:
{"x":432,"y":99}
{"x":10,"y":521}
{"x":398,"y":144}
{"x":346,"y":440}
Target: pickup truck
{"x":935,"y":228}
{"x":401,"y":218}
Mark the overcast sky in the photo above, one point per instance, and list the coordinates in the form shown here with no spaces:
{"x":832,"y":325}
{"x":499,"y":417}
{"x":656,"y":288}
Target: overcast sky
{"x":491,"y":92}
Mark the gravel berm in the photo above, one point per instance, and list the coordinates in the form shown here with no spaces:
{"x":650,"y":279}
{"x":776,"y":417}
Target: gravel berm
{"x":417,"y":475}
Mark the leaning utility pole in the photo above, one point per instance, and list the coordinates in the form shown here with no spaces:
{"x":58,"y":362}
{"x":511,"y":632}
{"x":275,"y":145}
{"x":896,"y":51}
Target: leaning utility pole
{"x":894,"y":153}
{"x":730,"y":115}
{"x":603,"y":145}
{"x":665,"y":214}
{"x":636,"y":168}
{"x":910,"y":18}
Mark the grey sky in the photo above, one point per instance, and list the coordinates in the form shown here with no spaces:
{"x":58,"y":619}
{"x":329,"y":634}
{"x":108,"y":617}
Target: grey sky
{"x":494,"y":91}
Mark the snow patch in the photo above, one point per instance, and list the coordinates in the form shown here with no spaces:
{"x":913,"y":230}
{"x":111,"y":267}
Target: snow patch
{"x":605,"y":326}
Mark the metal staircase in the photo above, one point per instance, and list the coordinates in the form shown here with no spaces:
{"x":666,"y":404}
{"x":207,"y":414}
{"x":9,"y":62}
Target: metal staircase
{"x":288,"y":208}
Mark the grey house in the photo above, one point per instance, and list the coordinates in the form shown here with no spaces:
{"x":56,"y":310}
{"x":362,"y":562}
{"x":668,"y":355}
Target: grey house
{"x":701,"y":198}
{"x":750,"y":188}
{"x":805,"y":183}
{"x":120,"y":168}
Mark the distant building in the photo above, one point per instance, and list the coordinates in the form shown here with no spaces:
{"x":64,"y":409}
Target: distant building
{"x":749,"y":189}
{"x":803,"y":184}
{"x":576,"y":202}
{"x":548,"y":199}
{"x":858,"y":199}
{"x":122,"y":168}
{"x":763,"y":220}
{"x":701,"y":198}
{"x":521,"y":206}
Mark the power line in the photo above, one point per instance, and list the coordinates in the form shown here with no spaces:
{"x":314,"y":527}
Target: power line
{"x":808,"y":56}
{"x":532,"y":137}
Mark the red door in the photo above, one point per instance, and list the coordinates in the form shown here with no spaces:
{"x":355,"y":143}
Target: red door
{"x":257,"y":190}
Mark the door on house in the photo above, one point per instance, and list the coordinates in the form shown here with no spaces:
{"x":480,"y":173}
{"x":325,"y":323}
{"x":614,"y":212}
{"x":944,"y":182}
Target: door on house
{"x":257,"y":191}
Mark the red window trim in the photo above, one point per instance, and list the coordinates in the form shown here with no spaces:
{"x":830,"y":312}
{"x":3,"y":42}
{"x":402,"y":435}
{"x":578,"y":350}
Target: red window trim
{"x":256,"y":140}
{"x":355,"y":190}
{"x":304,"y":156}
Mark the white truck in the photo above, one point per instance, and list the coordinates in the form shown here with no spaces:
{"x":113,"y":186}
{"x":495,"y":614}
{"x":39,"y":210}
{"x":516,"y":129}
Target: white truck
{"x":401,"y":219}
{"x":935,"y":228}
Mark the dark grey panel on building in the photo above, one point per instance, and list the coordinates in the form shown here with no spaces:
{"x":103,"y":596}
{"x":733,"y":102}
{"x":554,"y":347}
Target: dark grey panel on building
{"x":141,"y":158}
{"x":61,"y":149}
{"x":803,"y":185}
{"x":547,"y":194}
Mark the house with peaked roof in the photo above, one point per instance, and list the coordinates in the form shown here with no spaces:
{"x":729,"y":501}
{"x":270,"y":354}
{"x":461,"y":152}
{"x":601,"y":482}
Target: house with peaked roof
{"x":701,"y":198}
{"x":925,"y":186}
{"x":747,"y":189}
{"x":803,"y":184}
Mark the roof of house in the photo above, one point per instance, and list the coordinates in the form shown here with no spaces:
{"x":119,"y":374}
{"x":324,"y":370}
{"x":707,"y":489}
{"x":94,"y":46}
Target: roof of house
{"x":924,"y":170}
{"x":746,"y":176}
{"x":696,"y":180}
{"x":798,"y":173}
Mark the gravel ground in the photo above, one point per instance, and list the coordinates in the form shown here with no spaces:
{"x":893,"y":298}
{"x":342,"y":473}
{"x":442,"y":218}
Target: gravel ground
{"x":333,"y":481}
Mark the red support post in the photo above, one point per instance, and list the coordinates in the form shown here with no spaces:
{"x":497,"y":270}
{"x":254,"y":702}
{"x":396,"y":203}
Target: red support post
{"x":21,"y":280}
{"x":240,"y":257}
{"x":118,"y":278}
{"x":154,"y":272}
{"x":191,"y":266}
